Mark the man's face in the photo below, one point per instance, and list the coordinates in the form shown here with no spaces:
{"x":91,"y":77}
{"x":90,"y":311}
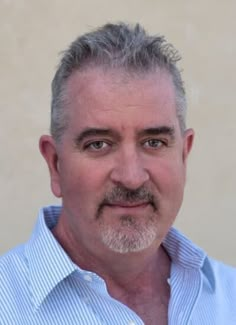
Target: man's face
{"x":121,"y":164}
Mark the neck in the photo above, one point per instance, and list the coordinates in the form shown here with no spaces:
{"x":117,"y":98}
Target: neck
{"x":120,"y":271}
{"x":138,"y":280}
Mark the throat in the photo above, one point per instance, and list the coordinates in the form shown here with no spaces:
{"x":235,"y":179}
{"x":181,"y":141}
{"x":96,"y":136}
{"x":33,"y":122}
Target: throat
{"x":148,"y":293}
{"x":138,"y":280}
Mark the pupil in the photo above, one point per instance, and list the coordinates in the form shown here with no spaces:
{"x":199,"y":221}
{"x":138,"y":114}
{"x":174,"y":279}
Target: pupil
{"x":153,"y":143}
{"x":98,"y":144}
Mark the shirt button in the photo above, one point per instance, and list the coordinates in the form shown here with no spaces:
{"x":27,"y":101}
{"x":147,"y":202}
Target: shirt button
{"x":131,"y":322}
{"x":88,"y":278}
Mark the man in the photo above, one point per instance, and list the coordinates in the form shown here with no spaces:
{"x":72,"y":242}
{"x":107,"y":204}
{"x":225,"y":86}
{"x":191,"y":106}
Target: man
{"x":117,"y":157}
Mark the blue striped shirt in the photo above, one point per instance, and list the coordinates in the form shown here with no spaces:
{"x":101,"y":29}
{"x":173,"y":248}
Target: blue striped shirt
{"x":39,"y":284}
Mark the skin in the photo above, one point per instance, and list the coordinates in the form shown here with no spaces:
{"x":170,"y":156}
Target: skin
{"x":123,"y":132}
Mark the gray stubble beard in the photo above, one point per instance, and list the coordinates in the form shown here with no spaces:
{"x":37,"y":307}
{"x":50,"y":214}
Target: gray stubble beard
{"x":130,"y":236}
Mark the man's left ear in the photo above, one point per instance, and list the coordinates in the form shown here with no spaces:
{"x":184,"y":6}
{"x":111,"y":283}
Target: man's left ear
{"x":48,"y":150}
{"x":188,"y":142}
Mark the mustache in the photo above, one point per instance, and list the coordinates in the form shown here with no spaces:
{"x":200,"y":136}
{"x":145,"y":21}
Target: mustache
{"x":123,"y":194}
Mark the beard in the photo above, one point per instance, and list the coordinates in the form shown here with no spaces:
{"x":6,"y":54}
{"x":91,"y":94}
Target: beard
{"x":131,"y":233}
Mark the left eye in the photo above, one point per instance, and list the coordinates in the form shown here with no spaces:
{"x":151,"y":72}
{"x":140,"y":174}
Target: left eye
{"x":97,"y":145}
{"x":153,"y":143}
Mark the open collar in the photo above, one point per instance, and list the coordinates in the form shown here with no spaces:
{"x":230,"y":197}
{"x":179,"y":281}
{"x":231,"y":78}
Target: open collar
{"x":183,"y":251}
{"x":48,"y":263}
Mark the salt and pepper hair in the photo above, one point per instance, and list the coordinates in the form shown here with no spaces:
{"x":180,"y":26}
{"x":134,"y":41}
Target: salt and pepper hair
{"x":119,"y":46}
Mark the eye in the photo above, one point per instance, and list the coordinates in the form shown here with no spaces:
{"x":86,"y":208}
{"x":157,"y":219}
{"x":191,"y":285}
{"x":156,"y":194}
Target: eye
{"x":154,"y":143}
{"x":96,"y":145}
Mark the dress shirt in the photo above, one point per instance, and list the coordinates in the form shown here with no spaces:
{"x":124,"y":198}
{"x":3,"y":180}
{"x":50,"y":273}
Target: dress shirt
{"x":39,"y":284}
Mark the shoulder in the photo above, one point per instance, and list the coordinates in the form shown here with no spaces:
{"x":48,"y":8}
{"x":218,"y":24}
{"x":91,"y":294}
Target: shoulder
{"x":224,"y":275}
{"x":15,"y":292}
{"x":13,"y":268}
{"x":218,"y":293}
{"x":14,"y":256}
{"x":219,"y":284}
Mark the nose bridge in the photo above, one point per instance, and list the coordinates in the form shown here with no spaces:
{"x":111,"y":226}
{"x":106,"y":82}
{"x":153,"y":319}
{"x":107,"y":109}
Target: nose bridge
{"x":129,"y":169}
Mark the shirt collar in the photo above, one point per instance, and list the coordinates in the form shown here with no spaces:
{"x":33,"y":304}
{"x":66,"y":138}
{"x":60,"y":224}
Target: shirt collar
{"x":47,"y":261}
{"x":183,"y":251}
{"x":187,"y":255}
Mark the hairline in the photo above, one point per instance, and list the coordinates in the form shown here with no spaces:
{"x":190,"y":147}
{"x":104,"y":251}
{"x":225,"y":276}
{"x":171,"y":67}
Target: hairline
{"x":116,"y":46}
{"x":131,"y":73}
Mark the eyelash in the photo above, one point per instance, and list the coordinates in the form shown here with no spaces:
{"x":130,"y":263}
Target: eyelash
{"x":106,"y":144}
{"x":160,"y":143}
{"x":91,"y":145}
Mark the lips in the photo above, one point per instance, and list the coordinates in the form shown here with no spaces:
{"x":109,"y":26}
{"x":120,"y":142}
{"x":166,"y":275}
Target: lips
{"x":128,"y":207}
{"x":125,"y":207}
{"x":128,"y":204}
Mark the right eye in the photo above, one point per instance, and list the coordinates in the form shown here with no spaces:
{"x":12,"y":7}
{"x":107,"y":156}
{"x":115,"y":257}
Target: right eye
{"x":96,"y":145}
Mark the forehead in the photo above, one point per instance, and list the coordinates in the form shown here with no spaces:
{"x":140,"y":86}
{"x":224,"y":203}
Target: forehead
{"x":98,"y":96}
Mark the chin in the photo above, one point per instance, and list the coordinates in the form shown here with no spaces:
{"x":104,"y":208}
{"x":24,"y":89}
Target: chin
{"x":125,"y":241}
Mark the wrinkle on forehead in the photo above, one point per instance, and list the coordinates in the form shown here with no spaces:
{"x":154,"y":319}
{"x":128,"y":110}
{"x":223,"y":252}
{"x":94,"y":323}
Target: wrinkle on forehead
{"x":107,"y":99}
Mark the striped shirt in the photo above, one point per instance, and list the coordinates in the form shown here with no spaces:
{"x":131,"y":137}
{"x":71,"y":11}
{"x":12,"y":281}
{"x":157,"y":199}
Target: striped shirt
{"x":39,"y":284}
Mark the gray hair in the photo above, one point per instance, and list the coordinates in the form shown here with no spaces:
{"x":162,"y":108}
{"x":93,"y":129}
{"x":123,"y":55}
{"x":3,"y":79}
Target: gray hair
{"x":115,"y":46}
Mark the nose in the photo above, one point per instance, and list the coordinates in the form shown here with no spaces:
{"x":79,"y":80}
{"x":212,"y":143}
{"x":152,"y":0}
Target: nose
{"x":129,"y":170}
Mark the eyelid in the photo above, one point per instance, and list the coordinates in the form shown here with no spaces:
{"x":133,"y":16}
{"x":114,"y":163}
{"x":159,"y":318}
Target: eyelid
{"x":89,"y":144}
{"x":157,"y":139}
{"x":153,"y":144}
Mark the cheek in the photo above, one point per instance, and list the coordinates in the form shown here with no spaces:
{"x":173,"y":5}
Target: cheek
{"x":82,"y":180}
{"x":169,"y":175}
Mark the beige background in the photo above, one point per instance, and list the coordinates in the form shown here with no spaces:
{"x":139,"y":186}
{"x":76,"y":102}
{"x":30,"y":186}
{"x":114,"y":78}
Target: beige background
{"x":31,"y":35}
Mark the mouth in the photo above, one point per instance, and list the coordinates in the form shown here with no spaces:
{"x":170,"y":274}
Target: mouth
{"x":128,"y":205}
{"x":123,"y":201}
{"x":126,"y":208}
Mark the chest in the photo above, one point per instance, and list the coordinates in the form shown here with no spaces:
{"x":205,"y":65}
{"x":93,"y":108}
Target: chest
{"x":154,"y":315}
{"x":152,"y":310}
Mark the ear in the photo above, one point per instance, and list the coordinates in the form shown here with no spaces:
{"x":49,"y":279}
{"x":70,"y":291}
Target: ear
{"x":48,"y":150}
{"x":188,"y":142}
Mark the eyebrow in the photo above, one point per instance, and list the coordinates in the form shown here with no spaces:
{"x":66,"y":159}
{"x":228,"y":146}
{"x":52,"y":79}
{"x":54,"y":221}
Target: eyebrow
{"x":165,"y":130}
{"x":91,"y":132}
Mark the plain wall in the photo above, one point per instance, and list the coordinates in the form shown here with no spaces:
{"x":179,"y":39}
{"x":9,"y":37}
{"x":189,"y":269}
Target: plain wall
{"x":32,"y":34}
